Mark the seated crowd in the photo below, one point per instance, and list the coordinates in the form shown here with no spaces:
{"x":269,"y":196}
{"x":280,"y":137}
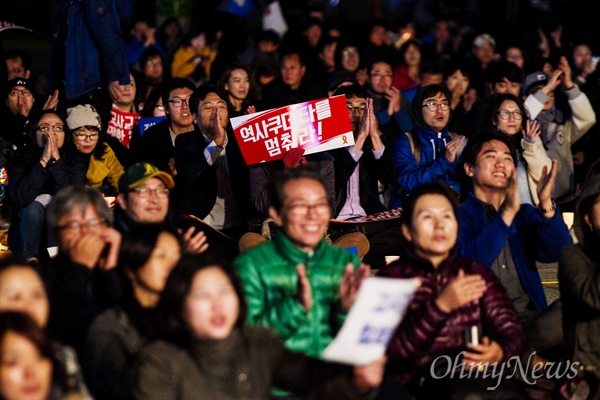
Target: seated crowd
{"x":147,"y":260}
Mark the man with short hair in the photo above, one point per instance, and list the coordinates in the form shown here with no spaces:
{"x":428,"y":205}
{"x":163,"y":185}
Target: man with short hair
{"x":291,"y":87}
{"x":296,"y":283}
{"x":18,"y":64}
{"x":144,"y":198}
{"x":508,"y":237}
{"x":157,"y":145}
{"x":213,"y":176}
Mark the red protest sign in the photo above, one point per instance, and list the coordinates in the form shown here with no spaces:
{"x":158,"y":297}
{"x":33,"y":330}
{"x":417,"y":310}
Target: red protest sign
{"x":314,"y":126}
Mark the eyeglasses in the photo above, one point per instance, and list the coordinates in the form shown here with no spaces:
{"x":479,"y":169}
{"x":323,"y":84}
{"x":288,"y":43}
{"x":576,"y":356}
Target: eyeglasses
{"x":161,"y":108}
{"x":77,"y":226}
{"x":146,"y":192}
{"x":382,"y":76}
{"x":46,"y":128}
{"x":177,"y":102}
{"x":303,"y":209}
{"x":153,"y":63}
{"x":505,"y":114}
{"x":431,"y":106}
{"x":361,"y":109}
{"x":347,"y":53}
{"x":23,"y":92}
{"x":82,"y":136}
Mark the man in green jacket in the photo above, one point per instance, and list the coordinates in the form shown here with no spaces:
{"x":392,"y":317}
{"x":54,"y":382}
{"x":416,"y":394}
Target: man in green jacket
{"x":297,"y":283}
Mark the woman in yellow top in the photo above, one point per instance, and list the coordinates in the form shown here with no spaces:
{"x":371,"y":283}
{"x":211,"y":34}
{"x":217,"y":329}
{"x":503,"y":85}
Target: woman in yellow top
{"x":104,"y":169}
{"x":194,"y":57}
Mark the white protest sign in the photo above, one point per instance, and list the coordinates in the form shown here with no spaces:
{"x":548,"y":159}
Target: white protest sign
{"x":379,"y":307}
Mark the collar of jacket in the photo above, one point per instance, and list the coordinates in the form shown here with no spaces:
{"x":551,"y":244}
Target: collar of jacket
{"x":291,"y":252}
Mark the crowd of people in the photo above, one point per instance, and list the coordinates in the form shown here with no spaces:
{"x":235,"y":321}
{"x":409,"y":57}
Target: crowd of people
{"x":148,"y":260}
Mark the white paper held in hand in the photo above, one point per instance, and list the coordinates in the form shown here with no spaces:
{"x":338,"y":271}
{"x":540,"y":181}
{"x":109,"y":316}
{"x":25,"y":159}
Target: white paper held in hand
{"x":379,"y":307}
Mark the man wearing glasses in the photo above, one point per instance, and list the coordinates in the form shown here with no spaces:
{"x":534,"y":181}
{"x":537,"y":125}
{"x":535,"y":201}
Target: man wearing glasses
{"x":428,"y":152}
{"x":157,"y":145}
{"x":144,"y":198}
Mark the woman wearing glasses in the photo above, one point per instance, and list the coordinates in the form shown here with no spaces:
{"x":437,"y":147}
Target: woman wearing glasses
{"x":505,"y":113}
{"x":103,"y":167}
{"x":429,"y":152}
{"x":37,"y":172}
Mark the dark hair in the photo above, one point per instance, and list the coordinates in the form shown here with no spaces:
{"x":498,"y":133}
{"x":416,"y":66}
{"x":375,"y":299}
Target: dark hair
{"x":268,"y":35}
{"x":32,"y":153}
{"x":354,"y":90}
{"x":23,"y":325}
{"x":200,"y":94}
{"x":149,"y":53}
{"x":224,"y":80}
{"x":294,"y":51}
{"x":490,"y":119}
{"x":423,"y":93}
{"x":171,"y":324}
{"x":339,"y":49}
{"x":380,"y":59}
{"x":281,"y":178}
{"x":505,"y":69}
{"x":151,"y":102}
{"x":175,"y":83}
{"x":472,"y":150}
{"x":25,"y":57}
{"x":76,"y":198}
{"x":137,"y":245}
{"x":476,"y":142}
{"x":408,"y":44}
{"x":409,"y":203}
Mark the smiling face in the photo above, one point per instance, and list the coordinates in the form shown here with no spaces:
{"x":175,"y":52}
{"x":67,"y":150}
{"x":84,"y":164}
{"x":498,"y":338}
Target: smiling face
{"x":433,"y":228}
{"x":21,"y":289}
{"x":149,"y":209}
{"x":238,"y":84}
{"x":493,"y":167}
{"x":24,"y":373}
{"x":212,"y":307}
{"x":305,"y":213}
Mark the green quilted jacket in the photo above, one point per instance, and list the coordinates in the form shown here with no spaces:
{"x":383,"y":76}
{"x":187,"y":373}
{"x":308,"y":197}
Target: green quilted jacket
{"x":269,"y":278}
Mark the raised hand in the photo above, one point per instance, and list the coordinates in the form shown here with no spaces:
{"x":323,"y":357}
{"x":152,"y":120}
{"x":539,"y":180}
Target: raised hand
{"x":195,"y":242}
{"x":393,"y":96}
{"x":351,"y":282}
{"x":532,"y":130}
{"x":462,"y":290}
{"x":545,"y":187}
{"x":304,"y":289}
{"x":455,"y":147}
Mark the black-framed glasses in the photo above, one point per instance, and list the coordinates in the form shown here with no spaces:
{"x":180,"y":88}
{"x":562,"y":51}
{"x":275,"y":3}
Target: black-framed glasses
{"x":432,"y":106}
{"x":77,"y":226}
{"x":505,"y":114}
{"x":347,"y":53}
{"x":146,"y":192}
{"x":301,"y":209}
{"x":46,"y":128}
{"x":361,"y":109}
{"x":160,"y":107}
{"x":22,"y":92}
{"x":83,"y":136}
{"x":178,"y":102}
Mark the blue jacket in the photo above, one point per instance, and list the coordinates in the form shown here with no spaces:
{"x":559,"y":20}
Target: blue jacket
{"x":430,"y":169}
{"x":531,"y":238}
{"x":95,"y":49}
